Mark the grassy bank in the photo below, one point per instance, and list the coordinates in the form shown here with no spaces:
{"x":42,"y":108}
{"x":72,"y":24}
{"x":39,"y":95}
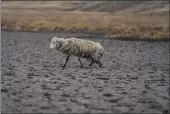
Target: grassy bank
{"x":151,"y":26}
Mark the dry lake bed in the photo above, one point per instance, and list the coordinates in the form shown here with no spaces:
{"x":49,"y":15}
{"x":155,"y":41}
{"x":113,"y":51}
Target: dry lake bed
{"x":135,"y":77}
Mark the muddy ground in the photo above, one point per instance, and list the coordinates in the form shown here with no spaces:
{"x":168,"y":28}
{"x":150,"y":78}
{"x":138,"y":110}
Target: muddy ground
{"x":135,"y":77}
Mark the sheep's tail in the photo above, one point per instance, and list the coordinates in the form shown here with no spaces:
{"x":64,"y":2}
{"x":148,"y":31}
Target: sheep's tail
{"x":101,"y":53}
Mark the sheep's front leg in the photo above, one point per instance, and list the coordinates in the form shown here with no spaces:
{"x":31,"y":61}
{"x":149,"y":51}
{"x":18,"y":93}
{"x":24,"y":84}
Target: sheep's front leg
{"x":80,"y":62}
{"x":66,"y":61}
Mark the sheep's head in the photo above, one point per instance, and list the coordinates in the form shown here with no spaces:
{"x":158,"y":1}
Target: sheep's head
{"x":56,"y":43}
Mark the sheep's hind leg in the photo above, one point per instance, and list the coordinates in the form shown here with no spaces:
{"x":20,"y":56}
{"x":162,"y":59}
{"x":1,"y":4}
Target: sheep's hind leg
{"x":80,"y":62}
{"x":100,"y":64}
{"x":91,"y":63}
{"x":66,"y":61}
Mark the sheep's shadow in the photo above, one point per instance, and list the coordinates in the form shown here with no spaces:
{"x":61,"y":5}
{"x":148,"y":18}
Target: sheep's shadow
{"x":79,"y":67}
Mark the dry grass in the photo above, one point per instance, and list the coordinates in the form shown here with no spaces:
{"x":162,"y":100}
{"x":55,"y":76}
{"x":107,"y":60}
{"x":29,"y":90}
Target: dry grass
{"x":153,"y":26}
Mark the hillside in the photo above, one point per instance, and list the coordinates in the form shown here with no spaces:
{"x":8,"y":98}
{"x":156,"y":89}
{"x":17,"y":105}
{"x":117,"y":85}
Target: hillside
{"x":119,"y":18}
{"x":100,"y":6}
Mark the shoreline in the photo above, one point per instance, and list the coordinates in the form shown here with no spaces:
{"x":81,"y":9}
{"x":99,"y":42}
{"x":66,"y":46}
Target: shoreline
{"x":99,"y":34}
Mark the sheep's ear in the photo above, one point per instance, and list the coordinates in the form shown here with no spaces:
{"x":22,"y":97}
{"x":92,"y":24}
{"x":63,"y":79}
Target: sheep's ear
{"x":55,"y":37}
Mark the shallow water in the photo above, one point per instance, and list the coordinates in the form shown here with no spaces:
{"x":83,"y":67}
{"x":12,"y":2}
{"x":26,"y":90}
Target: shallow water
{"x":135,"y":77}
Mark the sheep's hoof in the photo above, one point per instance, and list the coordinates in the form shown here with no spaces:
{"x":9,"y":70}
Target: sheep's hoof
{"x":63,"y":66}
{"x":100,"y":65}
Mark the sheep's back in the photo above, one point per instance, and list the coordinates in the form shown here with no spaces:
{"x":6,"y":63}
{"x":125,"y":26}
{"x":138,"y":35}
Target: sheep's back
{"x":83,"y":48}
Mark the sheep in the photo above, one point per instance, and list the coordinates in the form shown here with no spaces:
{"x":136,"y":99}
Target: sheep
{"x":78,"y":47}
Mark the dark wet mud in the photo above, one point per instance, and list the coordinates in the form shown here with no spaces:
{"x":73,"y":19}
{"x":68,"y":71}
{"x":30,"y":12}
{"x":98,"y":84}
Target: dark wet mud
{"x":135,"y":77}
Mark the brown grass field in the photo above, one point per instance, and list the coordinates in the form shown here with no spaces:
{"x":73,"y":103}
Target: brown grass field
{"x":146,"y":25}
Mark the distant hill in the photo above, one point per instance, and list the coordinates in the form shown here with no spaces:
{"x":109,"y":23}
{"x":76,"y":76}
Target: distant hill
{"x":119,"y":7}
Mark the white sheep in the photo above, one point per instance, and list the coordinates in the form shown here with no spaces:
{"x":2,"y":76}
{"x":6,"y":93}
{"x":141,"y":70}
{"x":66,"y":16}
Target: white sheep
{"x":78,"y":47}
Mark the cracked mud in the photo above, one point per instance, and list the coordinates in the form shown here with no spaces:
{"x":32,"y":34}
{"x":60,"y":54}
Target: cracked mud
{"x":135,"y":77}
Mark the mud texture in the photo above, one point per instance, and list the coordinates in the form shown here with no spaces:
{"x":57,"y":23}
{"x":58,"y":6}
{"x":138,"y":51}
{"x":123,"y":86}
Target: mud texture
{"x":135,"y":77}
